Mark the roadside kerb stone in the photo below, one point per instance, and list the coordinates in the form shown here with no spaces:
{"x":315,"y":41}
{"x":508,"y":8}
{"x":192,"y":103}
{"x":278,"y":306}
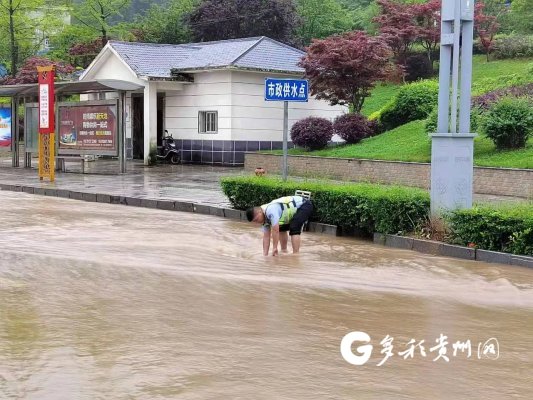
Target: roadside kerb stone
{"x":62,"y":193}
{"x":332,"y":230}
{"x":166,"y":205}
{"x":130,"y":201}
{"x":427,"y":246}
{"x":399,"y":242}
{"x":216,"y":211}
{"x":522,"y":261}
{"x":148,"y":203}
{"x":27,"y":189}
{"x":201,"y":209}
{"x":450,"y":250}
{"x":183,"y":206}
{"x":232,"y":214}
{"x":50,"y":192}
{"x":379,"y":238}
{"x":103,"y":198}
{"x":91,"y":197}
{"x":493,"y":257}
{"x":39,"y":191}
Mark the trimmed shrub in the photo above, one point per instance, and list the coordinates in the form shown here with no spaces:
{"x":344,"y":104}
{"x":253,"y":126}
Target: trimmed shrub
{"x":431,"y":121}
{"x":312,"y":133}
{"x":509,"y":123}
{"x":369,"y":207}
{"x":353,"y":127}
{"x":513,"y":46}
{"x":413,"y":102}
{"x":418,"y":66}
{"x":507,"y":229}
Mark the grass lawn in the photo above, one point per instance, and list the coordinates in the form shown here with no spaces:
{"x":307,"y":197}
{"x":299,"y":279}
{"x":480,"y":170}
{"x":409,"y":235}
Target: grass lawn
{"x":480,"y":69}
{"x":380,"y":96}
{"x":409,"y":142}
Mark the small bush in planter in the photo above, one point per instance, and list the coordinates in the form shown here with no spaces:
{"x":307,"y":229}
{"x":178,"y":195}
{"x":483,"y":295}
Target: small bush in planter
{"x":509,"y":123}
{"x":312,"y":133}
{"x":353,"y":127}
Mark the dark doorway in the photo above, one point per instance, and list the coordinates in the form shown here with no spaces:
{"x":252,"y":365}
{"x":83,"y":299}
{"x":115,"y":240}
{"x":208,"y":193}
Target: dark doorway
{"x":138,"y":127}
{"x":160,"y":118}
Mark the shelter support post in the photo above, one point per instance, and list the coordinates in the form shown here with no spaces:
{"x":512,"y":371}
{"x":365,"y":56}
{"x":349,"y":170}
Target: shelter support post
{"x":150,"y":120}
{"x":122,"y":131}
{"x":14,"y":132}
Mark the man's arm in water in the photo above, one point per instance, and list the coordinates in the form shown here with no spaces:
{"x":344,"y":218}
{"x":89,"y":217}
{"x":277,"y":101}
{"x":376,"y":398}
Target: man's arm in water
{"x":266,"y":241}
{"x":275,"y":239}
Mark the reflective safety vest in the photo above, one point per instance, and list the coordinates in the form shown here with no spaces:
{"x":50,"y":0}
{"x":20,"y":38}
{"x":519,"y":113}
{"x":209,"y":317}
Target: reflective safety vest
{"x":288,"y":207}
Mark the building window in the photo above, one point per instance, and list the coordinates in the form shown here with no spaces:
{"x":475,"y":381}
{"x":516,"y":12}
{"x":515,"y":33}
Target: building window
{"x":208,"y":121}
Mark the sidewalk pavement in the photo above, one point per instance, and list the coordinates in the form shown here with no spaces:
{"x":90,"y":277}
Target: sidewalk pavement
{"x":190,"y":183}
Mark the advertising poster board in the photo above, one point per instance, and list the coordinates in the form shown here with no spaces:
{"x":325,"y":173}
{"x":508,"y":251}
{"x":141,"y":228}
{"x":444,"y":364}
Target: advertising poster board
{"x":88,"y":129}
{"x":5,"y":127}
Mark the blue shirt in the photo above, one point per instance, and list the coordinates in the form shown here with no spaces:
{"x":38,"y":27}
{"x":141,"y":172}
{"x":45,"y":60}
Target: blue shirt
{"x":273,"y":212}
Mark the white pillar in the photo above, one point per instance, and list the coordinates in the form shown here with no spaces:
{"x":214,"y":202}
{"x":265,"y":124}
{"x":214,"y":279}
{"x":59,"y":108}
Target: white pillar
{"x":150,"y":119}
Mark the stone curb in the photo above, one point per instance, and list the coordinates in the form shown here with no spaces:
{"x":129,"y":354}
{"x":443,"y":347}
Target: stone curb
{"x":449,"y":250}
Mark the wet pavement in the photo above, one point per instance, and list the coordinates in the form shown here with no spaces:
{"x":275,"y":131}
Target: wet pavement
{"x":195,"y":183}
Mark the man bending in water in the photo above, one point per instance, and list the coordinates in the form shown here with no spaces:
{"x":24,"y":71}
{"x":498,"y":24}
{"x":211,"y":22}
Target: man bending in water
{"x":286,"y":214}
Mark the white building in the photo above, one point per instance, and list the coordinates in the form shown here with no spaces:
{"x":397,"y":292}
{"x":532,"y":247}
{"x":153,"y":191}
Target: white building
{"x":209,"y":96}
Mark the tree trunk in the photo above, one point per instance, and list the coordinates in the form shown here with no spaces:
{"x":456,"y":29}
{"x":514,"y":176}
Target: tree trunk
{"x":13,"y":48}
{"x":102,"y":26}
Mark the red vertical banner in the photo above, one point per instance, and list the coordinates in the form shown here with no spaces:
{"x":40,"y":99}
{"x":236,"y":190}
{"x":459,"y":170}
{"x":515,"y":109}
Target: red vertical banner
{"x":46,"y":122}
{"x":46,"y":99}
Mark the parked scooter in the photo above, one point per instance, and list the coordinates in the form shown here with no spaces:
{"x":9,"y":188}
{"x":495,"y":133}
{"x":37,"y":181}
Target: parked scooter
{"x":168,"y":151}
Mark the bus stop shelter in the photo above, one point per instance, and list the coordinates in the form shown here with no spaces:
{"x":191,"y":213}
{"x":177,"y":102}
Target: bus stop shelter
{"x":26,"y":95}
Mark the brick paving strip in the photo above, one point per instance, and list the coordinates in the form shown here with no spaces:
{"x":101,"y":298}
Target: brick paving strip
{"x":197,"y":189}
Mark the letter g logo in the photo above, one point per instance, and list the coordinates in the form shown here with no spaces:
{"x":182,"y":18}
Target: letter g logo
{"x":364,"y":351}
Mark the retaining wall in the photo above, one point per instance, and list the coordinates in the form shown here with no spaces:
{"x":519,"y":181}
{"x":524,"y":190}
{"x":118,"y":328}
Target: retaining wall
{"x":492,"y":181}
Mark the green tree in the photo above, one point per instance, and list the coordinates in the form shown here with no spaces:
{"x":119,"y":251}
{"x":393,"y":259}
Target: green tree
{"x":24,"y":25}
{"x":322,"y":18}
{"x":166,"y":23}
{"x":98,"y":14}
{"x":521,"y":16}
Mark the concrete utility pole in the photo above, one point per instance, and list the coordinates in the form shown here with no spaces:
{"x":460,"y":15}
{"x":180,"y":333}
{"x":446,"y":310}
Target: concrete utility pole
{"x":452,"y":148}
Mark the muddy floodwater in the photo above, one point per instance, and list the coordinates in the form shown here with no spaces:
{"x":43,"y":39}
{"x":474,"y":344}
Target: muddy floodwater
{"x":112,"y":302}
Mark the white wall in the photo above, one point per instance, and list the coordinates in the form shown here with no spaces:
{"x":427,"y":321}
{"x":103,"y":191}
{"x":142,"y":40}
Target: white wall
{"x":257,"y":119}
{"x":243,"y":114}
{"x":211,"y":91}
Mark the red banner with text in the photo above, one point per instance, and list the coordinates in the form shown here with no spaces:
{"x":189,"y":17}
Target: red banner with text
{"x":46,"y":99}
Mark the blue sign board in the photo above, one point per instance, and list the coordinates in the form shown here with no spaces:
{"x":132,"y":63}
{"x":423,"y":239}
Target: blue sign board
{"x":286,"y":89}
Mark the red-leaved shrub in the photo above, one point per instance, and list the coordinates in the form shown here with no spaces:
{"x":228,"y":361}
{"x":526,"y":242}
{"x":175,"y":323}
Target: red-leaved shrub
{"x":312,"y":133}
{"x":353,"y":127}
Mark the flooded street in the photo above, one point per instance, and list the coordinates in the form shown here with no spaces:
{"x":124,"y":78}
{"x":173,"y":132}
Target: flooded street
{"x":111,"y":302}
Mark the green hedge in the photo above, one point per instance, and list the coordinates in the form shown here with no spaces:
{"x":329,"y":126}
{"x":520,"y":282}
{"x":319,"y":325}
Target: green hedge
{"x":508,"y":229}
{"x":369,"y":207}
